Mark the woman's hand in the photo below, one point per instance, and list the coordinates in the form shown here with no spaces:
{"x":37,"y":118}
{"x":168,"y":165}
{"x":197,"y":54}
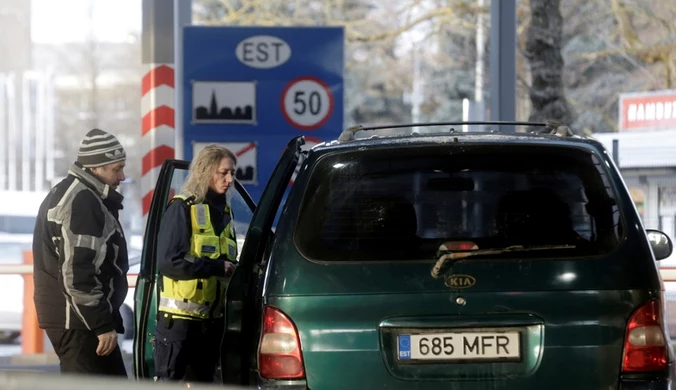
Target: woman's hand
{"x":229,"y":268}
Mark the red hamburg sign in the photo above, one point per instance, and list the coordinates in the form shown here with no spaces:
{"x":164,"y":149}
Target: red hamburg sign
{"x":648,"y":110}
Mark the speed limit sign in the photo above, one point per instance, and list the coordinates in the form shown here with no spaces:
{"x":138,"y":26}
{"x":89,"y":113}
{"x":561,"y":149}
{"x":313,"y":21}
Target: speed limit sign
{"x":307,"y":103}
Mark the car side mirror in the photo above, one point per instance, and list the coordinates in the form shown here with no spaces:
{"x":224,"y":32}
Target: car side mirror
{"x":661,"y":244}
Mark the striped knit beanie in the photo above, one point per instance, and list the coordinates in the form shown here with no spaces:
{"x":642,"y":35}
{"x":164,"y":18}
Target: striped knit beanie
{"x":99,"y":148}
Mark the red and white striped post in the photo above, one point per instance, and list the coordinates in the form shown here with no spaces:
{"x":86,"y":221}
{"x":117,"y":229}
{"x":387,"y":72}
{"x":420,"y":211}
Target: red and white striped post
{"x":162,"y":25}
{"x":157,"y":127}
{"x":161,"y":90}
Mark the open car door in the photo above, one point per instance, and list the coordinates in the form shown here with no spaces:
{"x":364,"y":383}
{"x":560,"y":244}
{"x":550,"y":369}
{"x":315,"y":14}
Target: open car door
{"x":240,"y":339}
{"x":171,"y":178}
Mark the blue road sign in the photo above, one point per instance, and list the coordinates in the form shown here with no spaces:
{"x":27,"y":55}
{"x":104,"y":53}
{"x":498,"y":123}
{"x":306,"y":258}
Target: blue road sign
{"x":254,"y":88}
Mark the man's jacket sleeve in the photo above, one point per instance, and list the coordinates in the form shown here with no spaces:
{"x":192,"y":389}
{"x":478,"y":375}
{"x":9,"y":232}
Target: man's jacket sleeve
{"x":173,"y":248}
{"x":83,"y":251}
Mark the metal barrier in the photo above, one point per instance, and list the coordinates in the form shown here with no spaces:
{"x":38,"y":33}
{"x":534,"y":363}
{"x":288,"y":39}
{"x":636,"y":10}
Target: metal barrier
{"x":32,"y":337}
{"x":668,"y":274}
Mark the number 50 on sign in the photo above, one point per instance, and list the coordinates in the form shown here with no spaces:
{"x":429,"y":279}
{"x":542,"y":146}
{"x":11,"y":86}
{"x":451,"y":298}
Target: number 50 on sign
{"x":307,"y":103}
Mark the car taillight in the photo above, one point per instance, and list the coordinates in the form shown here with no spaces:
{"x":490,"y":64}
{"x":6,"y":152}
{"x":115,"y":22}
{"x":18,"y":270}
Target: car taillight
{"x":645,"y":345}
{"x":279,"y":354}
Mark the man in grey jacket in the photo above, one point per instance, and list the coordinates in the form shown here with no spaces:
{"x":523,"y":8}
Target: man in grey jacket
{"x":80,"y":260}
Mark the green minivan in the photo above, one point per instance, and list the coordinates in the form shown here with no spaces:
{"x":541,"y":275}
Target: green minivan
{"x":427,"y":260}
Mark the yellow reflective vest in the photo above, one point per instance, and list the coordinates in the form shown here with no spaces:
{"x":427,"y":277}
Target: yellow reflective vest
{"x":200,"y":298}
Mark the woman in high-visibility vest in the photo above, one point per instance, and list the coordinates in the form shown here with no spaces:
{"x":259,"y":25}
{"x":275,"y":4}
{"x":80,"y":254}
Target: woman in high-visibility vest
{"x":196,"y":255}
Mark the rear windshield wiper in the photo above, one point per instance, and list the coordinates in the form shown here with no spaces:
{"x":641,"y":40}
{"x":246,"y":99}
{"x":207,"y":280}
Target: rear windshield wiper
{"x":455,"y":256}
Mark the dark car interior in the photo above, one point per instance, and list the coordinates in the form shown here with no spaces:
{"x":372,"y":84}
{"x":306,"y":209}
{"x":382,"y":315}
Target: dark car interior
{"x":378,"y":209}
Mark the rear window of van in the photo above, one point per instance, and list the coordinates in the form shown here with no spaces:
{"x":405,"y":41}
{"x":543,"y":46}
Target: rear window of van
{"x":403,"y":203}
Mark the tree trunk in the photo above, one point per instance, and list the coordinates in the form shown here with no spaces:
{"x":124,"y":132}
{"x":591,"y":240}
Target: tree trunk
{"x":543,"y":51}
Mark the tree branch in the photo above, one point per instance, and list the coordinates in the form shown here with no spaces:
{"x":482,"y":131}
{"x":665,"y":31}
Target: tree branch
{"x":650,"y":54}
{"x":228,"y":7}
{"x":651,"y":16}
{"x":626,"y":26}
{"x":611,"y":122}
{"x":394,"y":33}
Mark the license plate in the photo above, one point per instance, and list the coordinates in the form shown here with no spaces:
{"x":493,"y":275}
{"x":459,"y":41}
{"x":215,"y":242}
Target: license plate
{"x":485,"y":346}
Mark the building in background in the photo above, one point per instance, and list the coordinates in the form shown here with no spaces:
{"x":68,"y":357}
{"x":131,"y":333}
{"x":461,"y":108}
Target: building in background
{"x":51,"y":94}
{"x":26,"y":106}
{"x":646,"y":156}
{"x":15,"y":19}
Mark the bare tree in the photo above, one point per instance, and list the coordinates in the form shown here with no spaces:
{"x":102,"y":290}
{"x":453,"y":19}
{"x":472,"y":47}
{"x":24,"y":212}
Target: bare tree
{"x":615,"y":46}
{"x":654,"y":40}
{"x":100,"y":89}
{"x":378,"y":74}
{"x":543,"y":51}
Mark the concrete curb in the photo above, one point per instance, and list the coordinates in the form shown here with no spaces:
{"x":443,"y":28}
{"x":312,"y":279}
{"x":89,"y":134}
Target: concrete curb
{"x":37,"y":359}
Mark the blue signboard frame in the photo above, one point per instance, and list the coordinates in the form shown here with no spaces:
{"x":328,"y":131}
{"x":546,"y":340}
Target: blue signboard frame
{"x":254,"y":88}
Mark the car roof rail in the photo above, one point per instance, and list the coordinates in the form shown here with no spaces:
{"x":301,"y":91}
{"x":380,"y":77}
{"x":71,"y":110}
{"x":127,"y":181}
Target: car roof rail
{"x":556,"y":128}
{"x":549,"y":127}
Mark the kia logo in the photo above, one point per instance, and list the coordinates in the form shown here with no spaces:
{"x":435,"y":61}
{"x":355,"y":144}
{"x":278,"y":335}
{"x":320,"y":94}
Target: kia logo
{"x":460,"y":281}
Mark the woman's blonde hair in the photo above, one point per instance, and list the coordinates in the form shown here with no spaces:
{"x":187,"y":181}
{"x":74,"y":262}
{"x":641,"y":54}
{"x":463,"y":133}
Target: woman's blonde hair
{"x":202,"y":169}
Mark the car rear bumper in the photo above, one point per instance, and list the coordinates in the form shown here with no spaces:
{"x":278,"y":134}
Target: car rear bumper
{"x":625,"y":383}
{"x":657,"y":384}
{"x":281,"y":385}
{"x":650,"y":383}
{"x":662,"y":384}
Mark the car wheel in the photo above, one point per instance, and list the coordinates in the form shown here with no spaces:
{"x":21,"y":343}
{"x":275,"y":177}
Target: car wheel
{"x":128,"y":321}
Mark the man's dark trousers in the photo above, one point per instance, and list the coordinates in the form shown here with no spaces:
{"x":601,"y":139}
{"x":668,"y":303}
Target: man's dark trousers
{"x":76,"y":349}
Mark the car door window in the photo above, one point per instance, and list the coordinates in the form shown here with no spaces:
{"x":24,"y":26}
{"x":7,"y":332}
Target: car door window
{"x":242,"y":214}
{"x":168,"y":185}
{"x":177,"y":180}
